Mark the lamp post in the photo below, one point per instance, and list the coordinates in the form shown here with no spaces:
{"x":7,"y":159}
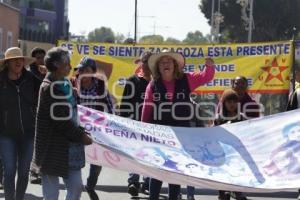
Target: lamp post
{"x":251,"y":25}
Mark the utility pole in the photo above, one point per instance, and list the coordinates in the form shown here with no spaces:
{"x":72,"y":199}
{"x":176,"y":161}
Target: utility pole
{"x":212,"y":21}
{"x":247,"y":17}
{"x":135,"y":22}
{"x":219,"y":21}
{"x":250,"y":21}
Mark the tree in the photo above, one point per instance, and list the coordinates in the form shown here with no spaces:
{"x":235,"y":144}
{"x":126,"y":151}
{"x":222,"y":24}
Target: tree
{"x":119,"y":38}
{"x":152,"y":39}
{"x":102,"y":34}
{"x":273,"y":19}
{"x":129,"y":41}
{"x":195,"y":38}
{"x":171,"y":40}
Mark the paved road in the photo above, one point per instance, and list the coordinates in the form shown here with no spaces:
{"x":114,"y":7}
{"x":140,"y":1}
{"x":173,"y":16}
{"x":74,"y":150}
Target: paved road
{"x":112,"y":185}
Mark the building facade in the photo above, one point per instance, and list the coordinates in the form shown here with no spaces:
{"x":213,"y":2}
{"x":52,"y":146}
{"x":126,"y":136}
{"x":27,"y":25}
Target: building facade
{"x":9,"y":28}
{"x":43,"y":20}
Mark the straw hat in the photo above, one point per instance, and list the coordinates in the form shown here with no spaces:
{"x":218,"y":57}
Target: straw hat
{"x":16,"y":52}
{"x":155,"y":57}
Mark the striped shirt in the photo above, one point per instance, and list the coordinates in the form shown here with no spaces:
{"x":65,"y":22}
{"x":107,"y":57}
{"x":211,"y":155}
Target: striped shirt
{"x":91,"y":97}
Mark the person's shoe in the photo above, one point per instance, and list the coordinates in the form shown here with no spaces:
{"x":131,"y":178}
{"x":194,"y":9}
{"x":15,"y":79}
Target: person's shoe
{"x":190,"y":198}
{"x":224,"y":196}
{"x":298,"y":197}
{"x":35,"y":179}
{"x":1,"y":186}
{"x":238,"y":196}
{"x":92,"y":194}
{"x":133,"y":190}
{"x":145,"y":188}
{"x":179,"y":196}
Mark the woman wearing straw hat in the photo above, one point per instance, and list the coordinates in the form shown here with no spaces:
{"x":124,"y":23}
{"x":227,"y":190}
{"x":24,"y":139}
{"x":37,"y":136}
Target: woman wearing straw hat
{"x":18,"y":98}
{"x":170,"y":91}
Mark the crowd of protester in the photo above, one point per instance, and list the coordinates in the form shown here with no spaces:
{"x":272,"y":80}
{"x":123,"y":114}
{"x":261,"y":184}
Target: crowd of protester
{"x":40,"y":140}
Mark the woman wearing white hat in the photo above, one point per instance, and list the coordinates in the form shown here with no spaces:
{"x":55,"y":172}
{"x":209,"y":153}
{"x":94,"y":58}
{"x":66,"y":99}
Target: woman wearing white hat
{"x":18,"y":98}
{"x":167,"y":99}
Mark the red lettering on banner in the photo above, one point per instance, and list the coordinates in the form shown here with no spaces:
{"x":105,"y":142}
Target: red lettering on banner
{"x":99,"y":119}
{"x":94,"y":156}
{"x":83,"y":118}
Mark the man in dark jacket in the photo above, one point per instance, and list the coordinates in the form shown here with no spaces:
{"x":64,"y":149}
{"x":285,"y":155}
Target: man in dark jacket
{"x":37,"y":68}
{"x":39,"y":71}
{"x":131,"y":107}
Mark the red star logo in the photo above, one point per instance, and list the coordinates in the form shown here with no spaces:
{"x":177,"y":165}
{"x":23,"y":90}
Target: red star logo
{"x":274,"y":71}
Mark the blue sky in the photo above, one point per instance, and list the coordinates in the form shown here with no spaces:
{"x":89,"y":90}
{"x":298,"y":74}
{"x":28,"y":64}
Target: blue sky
{"x":169,"y":18}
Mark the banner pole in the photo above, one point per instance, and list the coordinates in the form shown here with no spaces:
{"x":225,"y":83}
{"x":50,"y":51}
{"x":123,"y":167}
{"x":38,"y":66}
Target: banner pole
{"x":293,"y":60}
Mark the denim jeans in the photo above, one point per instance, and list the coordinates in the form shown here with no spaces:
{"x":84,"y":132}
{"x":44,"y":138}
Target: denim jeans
{"x":93,"y":177}
{"x":190,"y":191}
{"x":50,"y":186}
{"x":1,"y":171}
{"x":133,"y":179}
{"x":16,"y":155}
{"x":155,"y":187}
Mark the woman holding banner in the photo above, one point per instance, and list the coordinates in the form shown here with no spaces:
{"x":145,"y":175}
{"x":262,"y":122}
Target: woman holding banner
{"x":131,"y":107}
{"x":170,"y":91}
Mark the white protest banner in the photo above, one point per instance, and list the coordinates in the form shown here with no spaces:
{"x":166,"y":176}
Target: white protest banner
{"x":259,"y":155}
